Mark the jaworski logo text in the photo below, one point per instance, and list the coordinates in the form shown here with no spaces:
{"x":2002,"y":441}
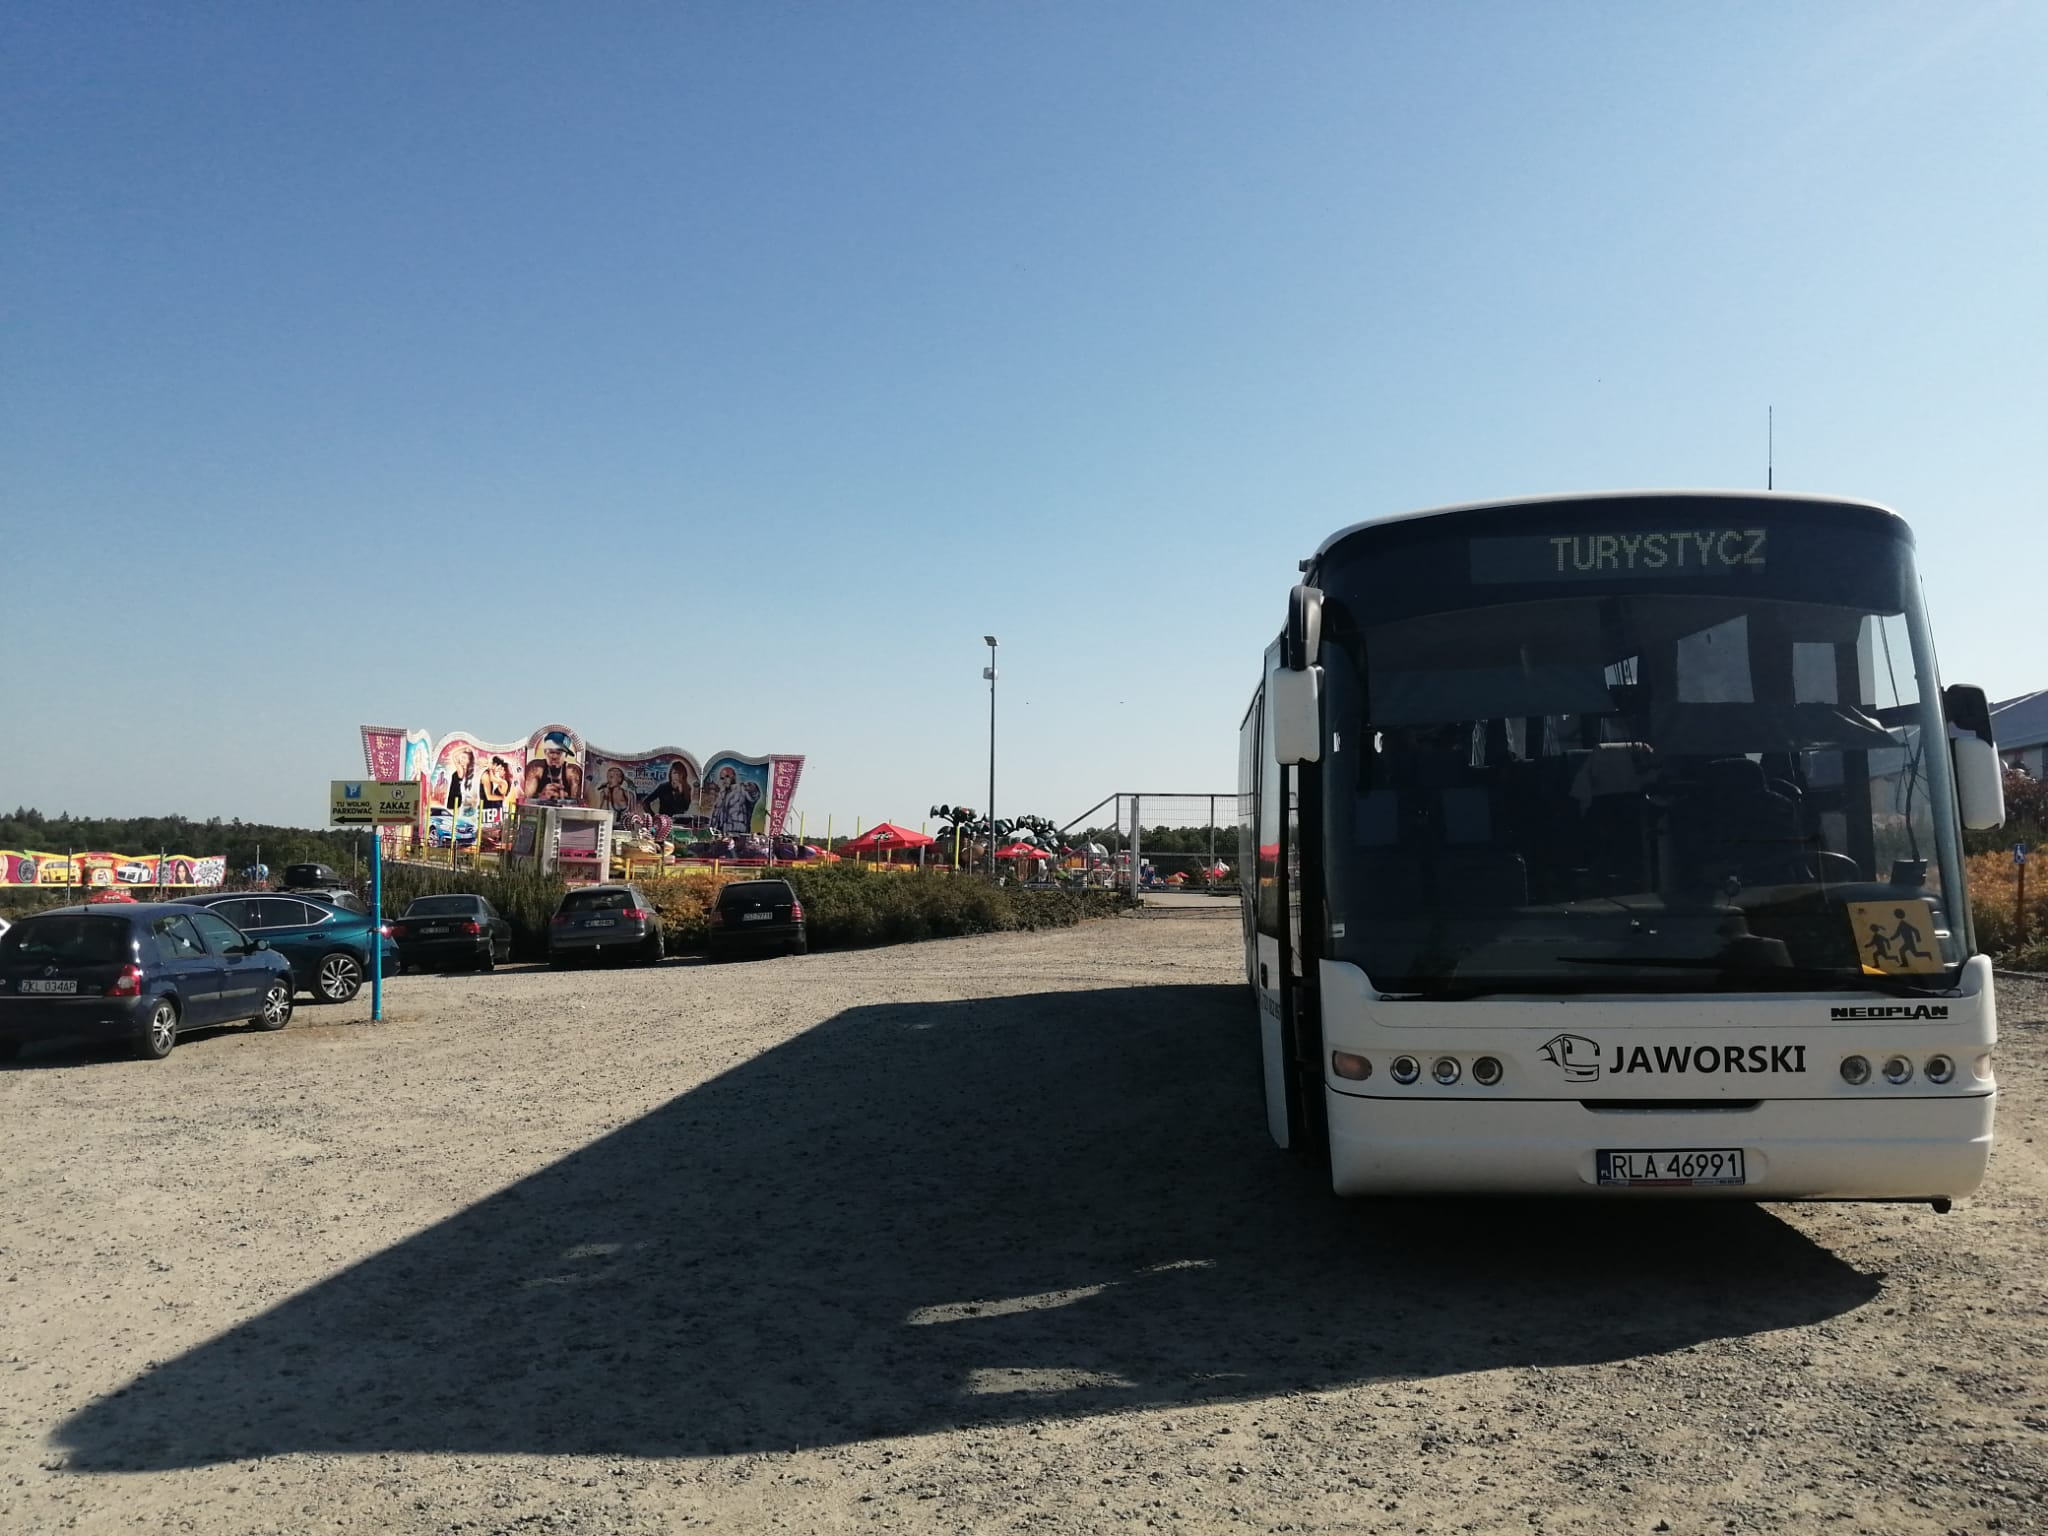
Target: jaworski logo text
{"x":1582,"y":1061}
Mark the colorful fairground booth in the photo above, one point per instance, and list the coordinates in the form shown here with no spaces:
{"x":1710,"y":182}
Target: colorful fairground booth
{"x":555,"y":801}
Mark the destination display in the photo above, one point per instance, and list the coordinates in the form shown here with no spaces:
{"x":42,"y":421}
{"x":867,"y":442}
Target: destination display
{"x":1645,"y":552}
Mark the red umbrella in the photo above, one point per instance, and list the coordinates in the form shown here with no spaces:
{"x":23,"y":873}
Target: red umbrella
{"x":1023,"y":851}
{"x":884,"y":836}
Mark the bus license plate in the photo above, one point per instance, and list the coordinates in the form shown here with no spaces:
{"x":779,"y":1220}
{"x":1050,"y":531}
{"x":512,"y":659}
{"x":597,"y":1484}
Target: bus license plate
{"x":1682,"y":1167}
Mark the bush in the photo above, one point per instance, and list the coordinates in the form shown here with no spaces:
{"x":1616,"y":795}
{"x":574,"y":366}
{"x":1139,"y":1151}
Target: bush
{"x":1994,"y":901}
{"x":849,"y":905}
{"x":17,"y":901}
{"x":846,"y":906}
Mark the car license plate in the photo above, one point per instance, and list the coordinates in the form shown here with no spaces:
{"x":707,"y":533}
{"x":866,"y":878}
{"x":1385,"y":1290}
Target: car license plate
{"x":433,"y":930}
{"x":600,"y":922}
{"x":49,"y":986}
{"x":1668,"y":1167}
{"x":757,"y":917}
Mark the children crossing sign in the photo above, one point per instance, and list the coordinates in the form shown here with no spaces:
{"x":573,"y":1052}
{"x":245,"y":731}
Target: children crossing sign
{"x":373,"y":802}
{"x":1896,"y":937}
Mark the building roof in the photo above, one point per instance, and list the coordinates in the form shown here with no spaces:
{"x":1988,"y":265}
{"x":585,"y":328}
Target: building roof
{"x":2021,"y":721}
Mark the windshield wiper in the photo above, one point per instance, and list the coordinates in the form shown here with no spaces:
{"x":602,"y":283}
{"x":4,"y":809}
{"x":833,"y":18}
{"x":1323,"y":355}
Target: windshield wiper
{"x":1770,"y":975}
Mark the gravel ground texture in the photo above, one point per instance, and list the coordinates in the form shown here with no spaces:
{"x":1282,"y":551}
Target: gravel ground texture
{"x":982,"y":1235}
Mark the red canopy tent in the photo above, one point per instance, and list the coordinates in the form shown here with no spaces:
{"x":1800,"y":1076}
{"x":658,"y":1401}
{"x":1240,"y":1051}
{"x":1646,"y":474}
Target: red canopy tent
{"x":884,"y":837}
{"x":1023,"y":851}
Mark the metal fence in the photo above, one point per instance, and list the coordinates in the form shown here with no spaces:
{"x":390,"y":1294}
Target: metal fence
{"x":1151,"y":840}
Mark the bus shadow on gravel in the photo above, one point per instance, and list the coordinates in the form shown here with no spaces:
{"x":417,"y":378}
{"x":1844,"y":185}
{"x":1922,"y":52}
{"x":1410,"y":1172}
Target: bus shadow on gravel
{"x":922,"y":1216}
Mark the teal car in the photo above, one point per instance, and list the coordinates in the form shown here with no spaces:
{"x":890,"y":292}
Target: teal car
{"x":327,"y":943}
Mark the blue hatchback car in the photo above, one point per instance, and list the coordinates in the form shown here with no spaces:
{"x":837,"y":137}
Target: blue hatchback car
{"x":143,"y":973}
{"x":327,"y":943}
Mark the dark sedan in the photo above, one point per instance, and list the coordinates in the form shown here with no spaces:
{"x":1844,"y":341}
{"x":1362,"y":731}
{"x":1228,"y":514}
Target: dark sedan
{"x":462,"y":931}
{"x":758,"y":915}
{"x":143,"y":973}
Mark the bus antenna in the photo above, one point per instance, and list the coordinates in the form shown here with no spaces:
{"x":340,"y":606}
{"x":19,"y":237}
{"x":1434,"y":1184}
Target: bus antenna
{"x":1770,"y":445}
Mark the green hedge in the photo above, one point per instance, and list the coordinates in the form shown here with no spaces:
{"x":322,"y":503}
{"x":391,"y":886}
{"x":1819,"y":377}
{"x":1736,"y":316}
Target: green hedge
{"x":20,"y":900}
{"x":846,"y":906}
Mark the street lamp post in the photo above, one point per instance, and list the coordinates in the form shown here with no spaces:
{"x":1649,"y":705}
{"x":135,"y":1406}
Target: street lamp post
{"x":989,"y":672}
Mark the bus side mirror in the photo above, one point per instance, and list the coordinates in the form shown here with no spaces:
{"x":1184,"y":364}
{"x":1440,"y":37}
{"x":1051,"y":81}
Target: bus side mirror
{"x":1297,"y":703}
{"x":1980,"y":783}
{"x":1304,"y":628}
{"x":1980,"y":777}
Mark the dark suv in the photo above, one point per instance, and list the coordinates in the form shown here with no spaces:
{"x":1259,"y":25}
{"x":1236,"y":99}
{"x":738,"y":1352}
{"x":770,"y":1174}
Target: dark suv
{"x":597,"y":922}
{"x":321,"y":880}
{"x":758,"y":915}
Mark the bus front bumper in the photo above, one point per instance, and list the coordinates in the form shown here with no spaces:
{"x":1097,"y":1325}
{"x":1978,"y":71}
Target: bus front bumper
{"x":1793,"y":1149}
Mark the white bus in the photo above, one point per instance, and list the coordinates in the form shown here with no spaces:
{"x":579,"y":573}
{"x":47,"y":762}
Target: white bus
{"x":1612,"y":844}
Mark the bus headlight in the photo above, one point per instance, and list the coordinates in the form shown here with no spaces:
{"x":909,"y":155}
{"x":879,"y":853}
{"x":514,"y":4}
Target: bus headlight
{"x":1346,"y":1065}
{"x":1940,"y":1069}
{"x":1405,"y":1069}
{"x":1897,"y":1070}
{"x":1446,"y":1071}
{"x":1486,"y":1071}
{"x":1855,"y":1070}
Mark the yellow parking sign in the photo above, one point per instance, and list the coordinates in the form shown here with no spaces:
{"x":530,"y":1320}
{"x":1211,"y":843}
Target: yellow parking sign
{"x":1895,"y":938}
{"x":373,"y":802}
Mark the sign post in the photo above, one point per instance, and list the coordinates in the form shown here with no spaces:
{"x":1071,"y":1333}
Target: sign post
{"x":2019,"y":859}
{"x":375,"y":804}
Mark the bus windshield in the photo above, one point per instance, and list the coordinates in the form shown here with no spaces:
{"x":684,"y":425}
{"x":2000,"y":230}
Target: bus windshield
{"x":1569,"y":786}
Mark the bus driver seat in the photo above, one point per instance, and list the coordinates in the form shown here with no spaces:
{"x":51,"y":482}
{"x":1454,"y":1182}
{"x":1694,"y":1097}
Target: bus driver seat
{"x":1739,"y":825}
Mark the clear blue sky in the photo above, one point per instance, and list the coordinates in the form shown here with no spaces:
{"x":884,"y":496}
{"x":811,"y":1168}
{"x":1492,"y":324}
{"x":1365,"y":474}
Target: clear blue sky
{"x":720,"y":374}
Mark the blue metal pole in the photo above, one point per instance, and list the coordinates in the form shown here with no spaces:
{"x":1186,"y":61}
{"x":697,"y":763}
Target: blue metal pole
{"x":377,"y":924}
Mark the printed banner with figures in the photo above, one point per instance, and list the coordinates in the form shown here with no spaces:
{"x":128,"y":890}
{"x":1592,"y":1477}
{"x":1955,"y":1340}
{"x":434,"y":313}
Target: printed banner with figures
{"x":471,"y":789}
{"x":110,"y":869}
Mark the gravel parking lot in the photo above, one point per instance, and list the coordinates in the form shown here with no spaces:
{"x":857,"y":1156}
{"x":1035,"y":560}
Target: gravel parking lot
{"x":974,"y":1235}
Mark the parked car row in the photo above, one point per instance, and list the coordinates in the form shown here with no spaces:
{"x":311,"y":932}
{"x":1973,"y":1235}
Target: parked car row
{"x":145,"y":972}
{"x":596,"y":923}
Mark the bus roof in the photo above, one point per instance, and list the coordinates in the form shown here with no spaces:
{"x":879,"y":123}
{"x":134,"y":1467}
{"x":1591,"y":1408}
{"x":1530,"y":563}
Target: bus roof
{"x":1509,"y":502}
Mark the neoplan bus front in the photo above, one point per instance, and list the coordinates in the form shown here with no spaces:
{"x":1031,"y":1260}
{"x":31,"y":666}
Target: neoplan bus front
{"x":1612,"y":844}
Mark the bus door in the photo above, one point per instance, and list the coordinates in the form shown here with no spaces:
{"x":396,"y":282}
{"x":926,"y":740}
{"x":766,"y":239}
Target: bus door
{"x":1288,"y":1037}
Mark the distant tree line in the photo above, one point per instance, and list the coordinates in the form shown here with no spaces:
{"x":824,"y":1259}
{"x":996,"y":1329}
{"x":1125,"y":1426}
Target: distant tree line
{"x":1168,"y":840}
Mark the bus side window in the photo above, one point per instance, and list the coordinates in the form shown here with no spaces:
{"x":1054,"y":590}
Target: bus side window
{"x":1269,"y":824}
